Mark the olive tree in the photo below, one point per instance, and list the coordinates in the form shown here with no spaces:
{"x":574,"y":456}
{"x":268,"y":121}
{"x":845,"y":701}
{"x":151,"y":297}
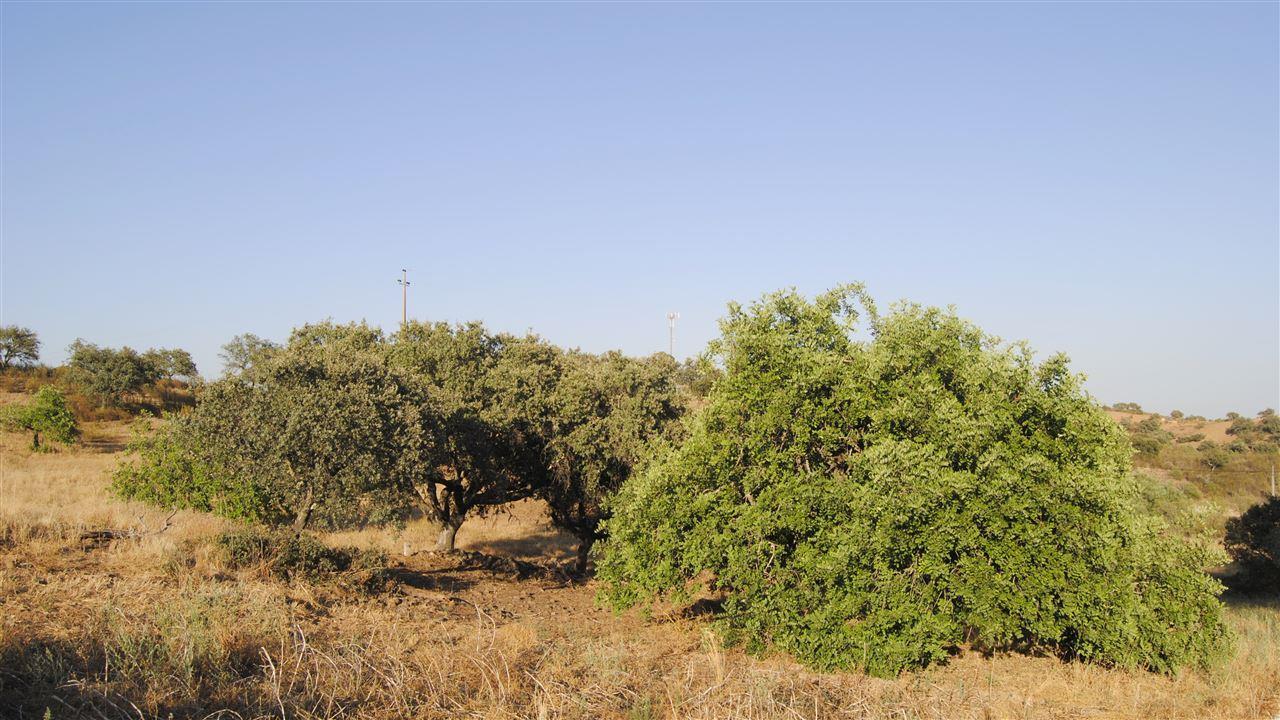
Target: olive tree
{"x":109,"y":374}
{"x":19,"y":346}
{"x":324,"y":429}
{"x":609,"y":409}
{"x":242,"y":352}
{"x":874,"y":494}
{"x":485,"y":440}
{"x":46,"y":413}
{"x":171,"y":363}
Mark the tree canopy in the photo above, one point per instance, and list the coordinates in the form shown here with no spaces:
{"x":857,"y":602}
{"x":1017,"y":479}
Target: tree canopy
{"x":321,"y":430}
{"x":609,"y":409}
{"x":19,"y":346}
{"x":874,"y":494}
{"x":491,"y":399}
{"x":47,"y":413}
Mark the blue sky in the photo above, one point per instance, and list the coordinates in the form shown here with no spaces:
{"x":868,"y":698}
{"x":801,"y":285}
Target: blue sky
{"x":1100,"y":179}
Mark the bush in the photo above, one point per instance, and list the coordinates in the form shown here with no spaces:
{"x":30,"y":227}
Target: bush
{"x":1127,"y":407}
{"x":876,"y":503}
{"x":1253,"y":542}
{"x":1192,"y":438}
{"x":48,"y":414}
{"x":297,"y":556}
{"x":320,"y":433}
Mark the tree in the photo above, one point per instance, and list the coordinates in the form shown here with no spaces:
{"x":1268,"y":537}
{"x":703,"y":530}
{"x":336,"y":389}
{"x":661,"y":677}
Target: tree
{"x":18,"y":346}
{"x":108,"y":374}
{"x":171,"y":363}
{"x":243,"y":352}
{"x":322,"y":431}
{"x":47,"y":413}
{"x":609,"y":409}
{"x":1253,"y":542}
{"x":491,"y":397}
{"x":876,"y":501}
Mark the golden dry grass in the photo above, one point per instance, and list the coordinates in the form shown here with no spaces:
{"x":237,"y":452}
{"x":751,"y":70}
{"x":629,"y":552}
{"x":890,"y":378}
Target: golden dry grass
{"x":157,"y":625}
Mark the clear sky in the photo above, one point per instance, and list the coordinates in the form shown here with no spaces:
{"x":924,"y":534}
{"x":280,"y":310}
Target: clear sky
{"x":1101,"y":179}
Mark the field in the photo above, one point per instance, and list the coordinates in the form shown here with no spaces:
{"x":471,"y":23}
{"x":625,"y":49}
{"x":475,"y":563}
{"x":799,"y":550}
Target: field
{"x":154,"y":624}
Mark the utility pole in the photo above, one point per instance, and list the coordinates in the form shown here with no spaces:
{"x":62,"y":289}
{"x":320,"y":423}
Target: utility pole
{"x":404,"y":296}
{"x":672,"y":317}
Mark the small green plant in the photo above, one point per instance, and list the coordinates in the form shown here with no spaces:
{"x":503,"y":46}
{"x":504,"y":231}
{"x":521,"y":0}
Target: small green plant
{"x":47,"y":414}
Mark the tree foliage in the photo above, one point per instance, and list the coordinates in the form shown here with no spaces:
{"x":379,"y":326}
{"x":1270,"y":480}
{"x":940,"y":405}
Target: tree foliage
{"x":1253,"y":542}
{"x":46,"y":414}
{"x":19,"y":346}
{"x":242,"y":352}
{"x":609,"y":409}
{"x":875,"y":495}
{"x":171,"y":363}
{"x":108,"y":374}
{"x":491,"y":397}
{"x":321,"y":432}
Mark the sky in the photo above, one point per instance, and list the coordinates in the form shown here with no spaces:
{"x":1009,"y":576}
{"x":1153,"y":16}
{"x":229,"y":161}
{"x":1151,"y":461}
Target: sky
{"x":1099,"y":179}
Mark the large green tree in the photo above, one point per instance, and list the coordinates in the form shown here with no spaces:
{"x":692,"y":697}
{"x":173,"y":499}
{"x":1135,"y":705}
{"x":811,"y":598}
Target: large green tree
{"x":322,"y":431}
{"x":609,"y":409}
{"x":18,"y":346}
{"x":491,"y":397}
{"x":875,"y":494}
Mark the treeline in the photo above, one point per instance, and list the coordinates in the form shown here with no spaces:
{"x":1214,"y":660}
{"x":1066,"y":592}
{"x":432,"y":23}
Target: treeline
{"x":100,"y":378}
{"x":343,"y":425}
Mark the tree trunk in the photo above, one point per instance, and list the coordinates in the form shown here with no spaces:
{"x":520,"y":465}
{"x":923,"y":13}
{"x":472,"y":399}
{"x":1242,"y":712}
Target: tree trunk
{"x":304,"y":511}
{"x":584,"y":555}
{"x":448,"y":533}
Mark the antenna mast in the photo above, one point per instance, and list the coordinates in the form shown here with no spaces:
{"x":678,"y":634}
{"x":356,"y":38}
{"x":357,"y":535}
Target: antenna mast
{"x":672,"y":317}
{"x":404,"y":296}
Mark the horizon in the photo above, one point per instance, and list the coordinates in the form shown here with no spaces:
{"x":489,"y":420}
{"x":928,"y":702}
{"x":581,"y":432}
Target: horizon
{"x":1100,"y":180}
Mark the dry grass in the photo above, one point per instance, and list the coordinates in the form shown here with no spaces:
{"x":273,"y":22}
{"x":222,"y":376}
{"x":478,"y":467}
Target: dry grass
{"x":157,"y":625}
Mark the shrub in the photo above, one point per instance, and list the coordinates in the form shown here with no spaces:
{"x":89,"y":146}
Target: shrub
{"x":1175,"y":414}
{"x":1192,"y":438}
{"x":1253,"y":542}
{"x":875,"y":503}
{"x":298,"y":556}
{"x":1148,"y":443}
{"x":1128,"y":407}
{"x":47,"y":413}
